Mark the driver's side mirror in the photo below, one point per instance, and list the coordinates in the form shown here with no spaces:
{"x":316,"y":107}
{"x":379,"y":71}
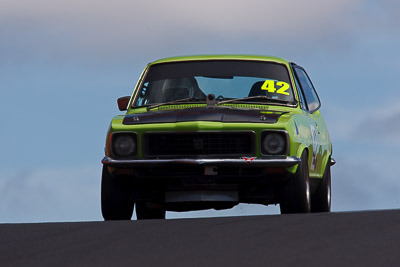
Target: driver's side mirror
{"x":123,"y":102}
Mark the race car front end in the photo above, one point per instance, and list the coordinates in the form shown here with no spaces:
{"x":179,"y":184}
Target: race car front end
{"x":200,"y":164}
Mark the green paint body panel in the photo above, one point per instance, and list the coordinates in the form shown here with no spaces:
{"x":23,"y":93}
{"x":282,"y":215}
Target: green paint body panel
{"x":298,"y":123}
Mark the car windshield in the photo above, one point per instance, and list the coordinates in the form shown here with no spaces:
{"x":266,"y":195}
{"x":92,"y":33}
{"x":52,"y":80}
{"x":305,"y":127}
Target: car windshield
{"x":192,"y":81}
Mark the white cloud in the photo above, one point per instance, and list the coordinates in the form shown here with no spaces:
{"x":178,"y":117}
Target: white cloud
{"x":365,"y":141}
{"x":92,"y":27}
{"x":237,"y":18}
{"x":55,"y":194}
{"x":340,"y":126}
{"x":364,"y":184}
{"x":383,"y":126}
{"x":376,"y":125}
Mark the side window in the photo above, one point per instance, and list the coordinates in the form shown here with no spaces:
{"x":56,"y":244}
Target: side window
{"x":310,"y":95}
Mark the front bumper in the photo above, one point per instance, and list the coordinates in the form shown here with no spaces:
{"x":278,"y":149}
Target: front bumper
{"x":284,"y":162}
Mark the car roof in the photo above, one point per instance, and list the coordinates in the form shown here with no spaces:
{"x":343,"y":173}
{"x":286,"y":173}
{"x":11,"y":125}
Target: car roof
{"x":222,"y":57}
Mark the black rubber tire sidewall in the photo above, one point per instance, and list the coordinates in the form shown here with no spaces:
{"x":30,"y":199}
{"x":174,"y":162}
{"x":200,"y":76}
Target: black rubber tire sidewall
{"x":115,"y":197}
{"x":295,"y":194}
{"x":143,"y":212}
{"x":321,"y":199}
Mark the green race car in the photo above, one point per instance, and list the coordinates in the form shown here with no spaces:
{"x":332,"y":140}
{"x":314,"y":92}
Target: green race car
{"x":204,"y":132}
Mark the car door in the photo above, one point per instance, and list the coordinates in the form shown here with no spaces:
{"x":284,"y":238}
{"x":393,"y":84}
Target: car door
{"x":310,"y":104}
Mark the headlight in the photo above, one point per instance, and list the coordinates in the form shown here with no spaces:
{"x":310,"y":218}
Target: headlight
{"x":274,"y":143}
{"x":124,"y":144}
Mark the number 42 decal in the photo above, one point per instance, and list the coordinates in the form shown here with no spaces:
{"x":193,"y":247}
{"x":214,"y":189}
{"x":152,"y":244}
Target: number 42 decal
{"x":270,"y":86}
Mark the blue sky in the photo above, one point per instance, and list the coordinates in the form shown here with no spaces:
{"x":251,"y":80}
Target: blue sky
{"x":64,"y":63}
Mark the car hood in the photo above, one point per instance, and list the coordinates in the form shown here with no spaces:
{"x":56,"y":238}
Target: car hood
{"x":203,"y":114}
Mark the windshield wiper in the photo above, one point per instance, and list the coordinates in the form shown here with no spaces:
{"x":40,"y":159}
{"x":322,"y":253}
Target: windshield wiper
{"x":258,"y":97}
{"x":189,"y":99}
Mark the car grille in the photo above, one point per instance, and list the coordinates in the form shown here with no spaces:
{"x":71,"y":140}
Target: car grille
{"x":193,"y":144}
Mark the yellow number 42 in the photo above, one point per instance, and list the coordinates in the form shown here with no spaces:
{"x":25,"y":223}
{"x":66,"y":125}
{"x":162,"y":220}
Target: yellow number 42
{"x":270,"y":86}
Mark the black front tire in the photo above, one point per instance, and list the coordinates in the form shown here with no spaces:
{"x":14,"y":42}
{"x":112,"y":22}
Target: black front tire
{"x":321,"y":199}
{"x":148,"y":210}
{"x":295,"y":196}
{"x":115,"y":197}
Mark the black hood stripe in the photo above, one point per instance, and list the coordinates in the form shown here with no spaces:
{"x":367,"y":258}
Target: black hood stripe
{"x":203,"y":114}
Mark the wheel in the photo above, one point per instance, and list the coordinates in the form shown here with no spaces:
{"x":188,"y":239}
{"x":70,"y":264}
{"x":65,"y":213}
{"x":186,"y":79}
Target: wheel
{"x":115,"y":197}
{"x":295,"y":196}
{"x":146,"y":210}
{"x":321,"y":199}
